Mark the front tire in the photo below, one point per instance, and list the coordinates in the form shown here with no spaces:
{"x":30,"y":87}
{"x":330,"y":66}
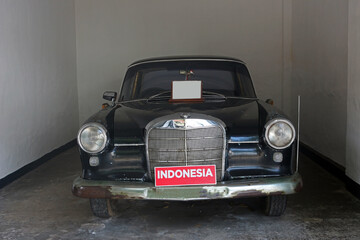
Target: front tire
{"x":101,"y":207}
{"x":275,"y":205}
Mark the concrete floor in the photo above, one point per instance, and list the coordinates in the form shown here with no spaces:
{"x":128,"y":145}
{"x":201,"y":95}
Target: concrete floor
{"x":40,"y":206}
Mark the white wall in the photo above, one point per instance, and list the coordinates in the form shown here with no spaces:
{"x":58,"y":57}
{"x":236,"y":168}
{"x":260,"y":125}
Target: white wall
{"x":111,"y":34}
{"x":38,"y":90}
{"x":319,"y":73}
{"x":353,"y":99}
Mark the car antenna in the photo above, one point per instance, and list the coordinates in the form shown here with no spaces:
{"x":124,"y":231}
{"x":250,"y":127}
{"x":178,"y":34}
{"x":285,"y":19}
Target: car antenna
{"x":298,"y":133}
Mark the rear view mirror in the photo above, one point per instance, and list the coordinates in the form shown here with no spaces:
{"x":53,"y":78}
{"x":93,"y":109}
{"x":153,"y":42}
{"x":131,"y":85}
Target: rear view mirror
{"x":110,"y":96}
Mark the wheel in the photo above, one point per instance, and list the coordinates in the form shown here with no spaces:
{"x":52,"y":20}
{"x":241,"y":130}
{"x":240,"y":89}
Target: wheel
{"x":101,"y":207}
{"x":275,"y":205}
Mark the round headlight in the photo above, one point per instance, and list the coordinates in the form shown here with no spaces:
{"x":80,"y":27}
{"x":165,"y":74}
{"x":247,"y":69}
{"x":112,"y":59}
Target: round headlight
{"x":92,"y":138}
{"x":279,"y":133}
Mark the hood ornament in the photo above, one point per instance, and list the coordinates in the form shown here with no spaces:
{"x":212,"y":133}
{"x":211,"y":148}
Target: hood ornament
{"x":184,"y":115}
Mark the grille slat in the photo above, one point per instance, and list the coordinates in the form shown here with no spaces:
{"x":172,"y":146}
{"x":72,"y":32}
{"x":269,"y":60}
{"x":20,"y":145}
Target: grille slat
{"x":188,"y":138}
{"x":186,"y":147}
{"x":182,"y":150}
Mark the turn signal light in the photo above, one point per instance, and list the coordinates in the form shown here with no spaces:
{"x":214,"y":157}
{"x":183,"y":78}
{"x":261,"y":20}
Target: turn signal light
{"x":278,"y":157}
{"x":270,"y":101}
{"x":104,"y":105}
{"x":94,"y":161}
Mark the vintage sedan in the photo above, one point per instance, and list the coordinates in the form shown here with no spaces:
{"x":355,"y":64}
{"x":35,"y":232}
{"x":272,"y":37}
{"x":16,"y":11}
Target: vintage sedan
{"x":185,"y":129}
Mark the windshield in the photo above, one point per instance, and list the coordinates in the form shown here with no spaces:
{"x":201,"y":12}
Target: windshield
{"x":230,"y":79}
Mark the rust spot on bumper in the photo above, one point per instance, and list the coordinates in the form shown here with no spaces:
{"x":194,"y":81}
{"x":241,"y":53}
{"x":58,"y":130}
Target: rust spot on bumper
{"x":91,"y":192}
{"x":99,"y":192}
{"x":255,"y":193}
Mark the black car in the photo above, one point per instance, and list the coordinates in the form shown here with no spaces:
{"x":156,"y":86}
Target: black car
{"x":184,"y":129}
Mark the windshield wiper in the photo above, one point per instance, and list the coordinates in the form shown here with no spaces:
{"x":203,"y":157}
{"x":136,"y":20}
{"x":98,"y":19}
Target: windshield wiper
{"x":159,"y":96}
{"x":208,"y":94}
{"x":243,"y":98}
{"x":227,"y":97}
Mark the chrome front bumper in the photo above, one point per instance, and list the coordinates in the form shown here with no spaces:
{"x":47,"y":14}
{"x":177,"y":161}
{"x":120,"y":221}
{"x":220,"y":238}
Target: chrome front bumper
{"x":227,"y":189}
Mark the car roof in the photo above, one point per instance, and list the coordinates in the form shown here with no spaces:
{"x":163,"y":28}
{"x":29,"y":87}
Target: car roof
{"x":186,"y":58}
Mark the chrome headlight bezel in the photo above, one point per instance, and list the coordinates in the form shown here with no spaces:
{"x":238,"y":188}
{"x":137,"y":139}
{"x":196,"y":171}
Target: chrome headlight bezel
{"x":270,"y":123}
{"x":102,"y":129}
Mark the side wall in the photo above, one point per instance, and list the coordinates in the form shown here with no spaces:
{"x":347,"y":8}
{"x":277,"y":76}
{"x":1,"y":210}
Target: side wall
{"x":112,"y":34}
{"x":353,"y":99}
{"x":319,"y":73}
{"x":38,"y":88}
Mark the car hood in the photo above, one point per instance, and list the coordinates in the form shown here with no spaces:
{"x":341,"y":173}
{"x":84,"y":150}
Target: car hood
{"x":241,"y":117}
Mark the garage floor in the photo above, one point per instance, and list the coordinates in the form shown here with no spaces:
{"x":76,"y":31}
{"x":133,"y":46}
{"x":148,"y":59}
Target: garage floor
{"x":40,"y":206}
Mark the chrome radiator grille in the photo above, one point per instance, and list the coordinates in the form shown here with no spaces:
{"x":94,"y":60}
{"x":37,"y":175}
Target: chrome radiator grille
{"x":186,"y":142}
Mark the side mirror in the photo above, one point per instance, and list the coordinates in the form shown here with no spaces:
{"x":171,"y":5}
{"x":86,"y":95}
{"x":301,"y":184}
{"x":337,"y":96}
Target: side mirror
{"x":110,"y":96}
{"x":270,"y":101}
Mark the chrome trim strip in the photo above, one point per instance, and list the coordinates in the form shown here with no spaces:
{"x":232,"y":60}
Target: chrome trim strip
{"x":233,"y":152}
{"x":128,"y":144}
{"x":148,"y":128}
{"x":239,"y":142}
{"x":187,"y":59}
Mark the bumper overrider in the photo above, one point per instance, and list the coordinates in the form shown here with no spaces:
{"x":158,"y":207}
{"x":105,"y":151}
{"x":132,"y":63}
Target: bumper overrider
{"x":226,"y":189}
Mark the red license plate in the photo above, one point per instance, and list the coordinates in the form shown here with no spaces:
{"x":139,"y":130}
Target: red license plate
{"x":185,"y":175}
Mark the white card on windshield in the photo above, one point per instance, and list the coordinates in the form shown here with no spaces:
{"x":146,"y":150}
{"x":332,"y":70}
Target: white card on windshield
{"x":188,"y":89}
